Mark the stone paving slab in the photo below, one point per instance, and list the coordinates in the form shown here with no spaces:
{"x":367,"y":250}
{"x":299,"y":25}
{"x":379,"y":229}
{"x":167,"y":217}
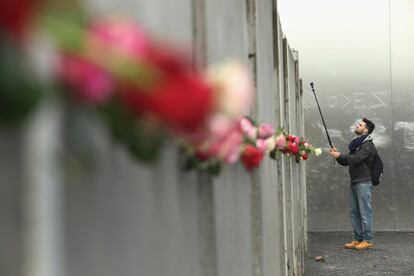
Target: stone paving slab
{"x":393,"y":255}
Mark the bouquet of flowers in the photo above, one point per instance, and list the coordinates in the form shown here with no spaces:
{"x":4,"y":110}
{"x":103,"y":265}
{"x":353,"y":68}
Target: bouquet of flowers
{"x":20,"y":90}
{"x":294,"y":146}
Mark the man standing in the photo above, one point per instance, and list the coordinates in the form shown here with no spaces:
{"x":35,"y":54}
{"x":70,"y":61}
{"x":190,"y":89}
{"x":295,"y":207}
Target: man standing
{"x":359,"y":159}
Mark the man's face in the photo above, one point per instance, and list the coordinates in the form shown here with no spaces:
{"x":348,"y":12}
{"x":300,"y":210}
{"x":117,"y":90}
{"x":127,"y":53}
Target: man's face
{"x":361,"y":128}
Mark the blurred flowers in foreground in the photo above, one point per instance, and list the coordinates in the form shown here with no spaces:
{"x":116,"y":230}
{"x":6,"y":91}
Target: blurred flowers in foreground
{"x":20,"y":90}
{"x":147,"y":91}
{"x":115,"y":63}
{"x":15,"y":17}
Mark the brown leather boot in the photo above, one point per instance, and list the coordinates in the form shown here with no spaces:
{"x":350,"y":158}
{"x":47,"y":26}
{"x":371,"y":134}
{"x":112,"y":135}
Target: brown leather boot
{"x":351,"y":245}
{"x":364,"y":245}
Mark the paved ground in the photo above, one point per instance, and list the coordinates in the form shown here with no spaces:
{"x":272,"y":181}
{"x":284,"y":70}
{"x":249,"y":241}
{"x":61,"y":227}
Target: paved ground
{"x":393,"y":255}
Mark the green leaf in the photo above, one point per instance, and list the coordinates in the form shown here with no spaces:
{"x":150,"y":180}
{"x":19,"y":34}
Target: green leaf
{"x":247,"y":140}
{"x":254,"y":123}
{"x":274,"y":154}
{"x":214,"y":168}
{"x":144,"y":138}
{"x":191,"y":163}
{"x":118,"y":118}
{"x":143,"y":144}
{"x":280,"y":131}
{"x":70,"y":35}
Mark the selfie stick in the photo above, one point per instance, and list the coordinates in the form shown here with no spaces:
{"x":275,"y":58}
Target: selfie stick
{"x":320,"y":112}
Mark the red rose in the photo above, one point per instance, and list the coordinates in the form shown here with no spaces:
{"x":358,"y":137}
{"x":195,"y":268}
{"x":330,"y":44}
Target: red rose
{"x":182,"y":102}
{"x":293,"y":139}
{"x":252,"y":157}
{"x":169,"y":61}
{"x":305,"y":156}
{"x":203,"y":156}
{"x":293,"y":148}
{"x":15,"y":15}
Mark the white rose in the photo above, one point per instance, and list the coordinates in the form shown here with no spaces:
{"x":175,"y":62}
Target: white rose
{"x":318,"y":151}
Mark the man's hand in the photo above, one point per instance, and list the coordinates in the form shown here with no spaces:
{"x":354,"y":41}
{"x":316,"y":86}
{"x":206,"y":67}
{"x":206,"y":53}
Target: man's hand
{"x":334,"y":152}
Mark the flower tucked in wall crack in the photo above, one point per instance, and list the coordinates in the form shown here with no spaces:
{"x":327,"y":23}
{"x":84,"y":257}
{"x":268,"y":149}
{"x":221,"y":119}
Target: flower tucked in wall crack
{"x":221,"y":141}
{"x":252,"y":157}
{"x":181,"y":102}
{"x":15,"y":16}
{"x":247,"y":126}
{"x":117,"y":36}
{"x":265,"y":131}
{"x":294,"y":146}
{"x":304,"y":155}
{"x":317,"y":151}
{"x":266,"y":144}
{"x":221,"y":138}
{"x":248,"y":142}
{"x":91,"y":83}
{"x":280,"y":141}
{"x":233,"y":87}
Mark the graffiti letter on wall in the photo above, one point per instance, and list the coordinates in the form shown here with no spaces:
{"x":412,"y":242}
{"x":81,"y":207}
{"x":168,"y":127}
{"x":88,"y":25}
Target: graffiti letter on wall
{"x":358,"y":100}
{"x":378,"y":100}
{"x":333,"y":101}
{"x":347,"y":101}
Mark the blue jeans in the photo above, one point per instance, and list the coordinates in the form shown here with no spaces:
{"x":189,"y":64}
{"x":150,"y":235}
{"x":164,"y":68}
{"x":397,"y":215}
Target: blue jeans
{"x":360,"y":210}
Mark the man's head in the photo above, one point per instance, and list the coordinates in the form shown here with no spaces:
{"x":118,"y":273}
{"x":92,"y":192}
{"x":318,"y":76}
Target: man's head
{"x":365,"y":126}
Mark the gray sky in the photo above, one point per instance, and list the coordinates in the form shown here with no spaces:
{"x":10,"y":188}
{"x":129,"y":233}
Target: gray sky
{"x":346,"y":40}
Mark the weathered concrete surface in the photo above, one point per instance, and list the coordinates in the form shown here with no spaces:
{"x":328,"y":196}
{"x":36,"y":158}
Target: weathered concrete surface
{"x":392,"y":255}
{"x":10,"y":186}
{"x":352,"y":80}
{"x":122,"y":217}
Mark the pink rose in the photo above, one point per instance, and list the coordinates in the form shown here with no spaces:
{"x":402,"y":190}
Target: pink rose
{"x":227,"y":148}
{"x":265,"y":131}
{"x":296,"y":140}
{"x":117,"y":35}
{"x":248,"y":128}
{"x":92,"y":83}
{"x":261,"y":144}
{"x":280,"y":141}
{"x":230,"y":151}
{"x":219,"y":124}
{"x":223,"y":145}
